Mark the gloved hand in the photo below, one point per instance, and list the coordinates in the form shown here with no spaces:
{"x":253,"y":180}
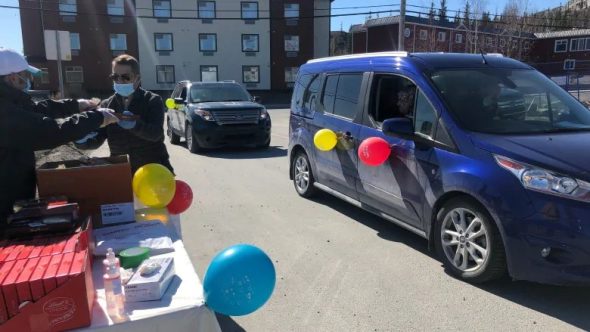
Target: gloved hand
{"x":88,"y":104}
{"x":127,"y":124}
{"x":108,"y":116}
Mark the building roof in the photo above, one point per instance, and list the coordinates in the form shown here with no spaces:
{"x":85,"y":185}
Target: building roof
{"x":563,"y":33}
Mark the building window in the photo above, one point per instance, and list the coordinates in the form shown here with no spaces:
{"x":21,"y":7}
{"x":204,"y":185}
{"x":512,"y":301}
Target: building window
{"x":163,"y":42}
{"x":569,"y":64}
{"x":587,"y":44}
{"x":251,"y":74}
{"x":209,"y":74}
{"x":527,"y":45}
{"x":560,"y":46}
{"x":165,"y":74}
{"x":423,"y":34}
{"x":502,"y":42}
{"x":489,"y":41}
{"x":67,"y":7}
{"x":206,"y":9}
{"x":43,"y":78}
{"x":291,"y":10}
{"x":75,"y":41}
{"x":442,"y":36}
{"x":162,"y":8}
{"x":115,"y":7}
{"x":578,"y":44}
{"x":118,"y":42}
{"x":459,"y":38}
{"x":291,"y":43}
{"x":74,"y":74}
{"x":250,"y":43}
{"x":208,"y":42}
{"x":291,"y":74}
{"x":249,"y":10}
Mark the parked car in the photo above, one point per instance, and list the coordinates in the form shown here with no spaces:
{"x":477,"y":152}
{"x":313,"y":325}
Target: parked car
{"x":211,"y":115}
{"x":491,"y":164}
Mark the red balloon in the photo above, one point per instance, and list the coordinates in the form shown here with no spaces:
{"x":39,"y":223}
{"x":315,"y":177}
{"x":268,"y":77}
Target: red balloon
{"x":374,"y":151}
{"x":182,"y":200}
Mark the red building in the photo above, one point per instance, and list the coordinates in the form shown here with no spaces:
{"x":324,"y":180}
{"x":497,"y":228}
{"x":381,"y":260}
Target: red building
{"x":426,"y":35}
{"x":564,"y":56}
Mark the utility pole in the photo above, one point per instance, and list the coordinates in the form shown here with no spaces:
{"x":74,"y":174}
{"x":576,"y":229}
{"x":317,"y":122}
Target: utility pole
{"x":59,"y":70}
{"x":401,"y":26}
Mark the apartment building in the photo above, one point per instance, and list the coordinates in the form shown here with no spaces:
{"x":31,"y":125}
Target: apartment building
{"x":98,"y":30}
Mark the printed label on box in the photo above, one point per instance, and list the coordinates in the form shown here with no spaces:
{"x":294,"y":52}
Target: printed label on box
{"x":117,"y":213}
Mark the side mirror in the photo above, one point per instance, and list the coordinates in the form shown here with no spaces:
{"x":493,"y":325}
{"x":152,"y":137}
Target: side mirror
{"x":179,"y":101}
{"x":256,"y":99}
{"x":398,"y":127}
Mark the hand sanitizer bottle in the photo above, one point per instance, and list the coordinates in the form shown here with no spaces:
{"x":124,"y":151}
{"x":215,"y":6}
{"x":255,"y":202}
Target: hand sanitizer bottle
{"x":113,"y":287}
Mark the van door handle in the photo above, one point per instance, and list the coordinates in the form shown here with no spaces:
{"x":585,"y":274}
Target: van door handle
{"x":347,"y":135}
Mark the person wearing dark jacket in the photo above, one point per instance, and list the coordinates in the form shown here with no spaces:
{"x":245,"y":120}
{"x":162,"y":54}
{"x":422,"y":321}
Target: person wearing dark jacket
{"x":26,"y":127}
{"x":140,"y":133}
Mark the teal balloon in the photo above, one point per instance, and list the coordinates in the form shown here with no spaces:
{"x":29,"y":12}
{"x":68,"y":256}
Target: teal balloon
{"x":239,"y":280}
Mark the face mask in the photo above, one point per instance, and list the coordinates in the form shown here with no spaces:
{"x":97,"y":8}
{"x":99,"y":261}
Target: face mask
{"x":27,"y":83}
{"x":124,"y":90}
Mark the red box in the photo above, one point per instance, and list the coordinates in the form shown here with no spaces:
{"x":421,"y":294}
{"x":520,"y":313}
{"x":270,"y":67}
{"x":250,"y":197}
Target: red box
{"x":72,"y":243}
{"x":36,"y":280}
{"x":22,"y":283}
{"x":4,"y":271}
{"x":14,"y":252}
{"x":67,"y":307}
{"x":9,"y":287}
{"x":39,"y":246}
{"x":6,"y":251}
{"x":58,"y":248}
{"x":24,"y":254}
{"x":49,"y":282}
{"x":79,"y":263}
{"x":64,"y":268}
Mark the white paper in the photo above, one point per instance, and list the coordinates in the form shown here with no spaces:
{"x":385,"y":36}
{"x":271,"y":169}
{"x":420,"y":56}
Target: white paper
{"x":149,"y":234}
{"x":117,"y":213}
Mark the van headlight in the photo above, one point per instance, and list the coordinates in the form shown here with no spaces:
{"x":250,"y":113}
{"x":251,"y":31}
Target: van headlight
{"x":541,"y":180}
{"x":263,"y":114}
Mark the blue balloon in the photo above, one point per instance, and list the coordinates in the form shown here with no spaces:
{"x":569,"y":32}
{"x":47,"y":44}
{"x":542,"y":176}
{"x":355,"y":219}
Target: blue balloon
{"x":239,"y":280}
{"x":127,"y":124}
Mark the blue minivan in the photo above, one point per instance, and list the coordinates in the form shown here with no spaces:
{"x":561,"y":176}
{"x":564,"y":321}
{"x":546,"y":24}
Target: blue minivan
{"x":489,"y":158}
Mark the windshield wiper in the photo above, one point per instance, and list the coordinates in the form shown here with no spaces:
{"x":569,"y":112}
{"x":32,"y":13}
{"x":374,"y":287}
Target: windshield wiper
{"x":565,"y":130}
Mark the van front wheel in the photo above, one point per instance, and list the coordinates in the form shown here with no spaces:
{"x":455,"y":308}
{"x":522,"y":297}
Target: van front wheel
{"x":302,"y":175}
{"x":468,"y":241}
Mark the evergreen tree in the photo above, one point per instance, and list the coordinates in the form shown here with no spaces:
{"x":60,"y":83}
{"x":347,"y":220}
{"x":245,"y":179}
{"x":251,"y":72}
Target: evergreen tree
{"x":457,"y":18}
{"x":442,"y":12}
{"x":466,"y":14}
{"x":432,"y":12}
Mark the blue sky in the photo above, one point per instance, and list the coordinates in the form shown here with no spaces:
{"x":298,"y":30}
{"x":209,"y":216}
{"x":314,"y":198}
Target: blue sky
{"x":11,"y":37}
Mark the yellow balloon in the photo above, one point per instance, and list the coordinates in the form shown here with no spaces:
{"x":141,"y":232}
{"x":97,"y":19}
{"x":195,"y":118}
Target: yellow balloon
{"x":170,"y":103}
{"x":325,"y":139}
{"x":149,"y":214}
{"x":154,"y":185}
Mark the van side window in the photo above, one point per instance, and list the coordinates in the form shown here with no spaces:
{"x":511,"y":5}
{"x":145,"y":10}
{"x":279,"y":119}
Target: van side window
{"x":425,"y":116}
{"x":311,"y":94}
{"x":347,"y":95}
{"x":297,"y":98}
{"x":329,"y":93}
{"x":392,"y":97}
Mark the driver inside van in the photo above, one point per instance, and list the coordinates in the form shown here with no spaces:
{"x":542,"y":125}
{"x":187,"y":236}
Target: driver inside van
{"x":405,"y":101}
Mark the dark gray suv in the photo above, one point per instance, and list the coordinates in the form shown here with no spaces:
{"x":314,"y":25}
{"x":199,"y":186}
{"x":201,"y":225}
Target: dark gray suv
{"x":216,"y":114}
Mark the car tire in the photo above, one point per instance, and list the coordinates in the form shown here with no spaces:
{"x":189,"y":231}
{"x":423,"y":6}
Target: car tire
{"x":303,"y":179}
{"x":468,"y":241}
{"x":191,"y":142}
{"x":174,"y":139}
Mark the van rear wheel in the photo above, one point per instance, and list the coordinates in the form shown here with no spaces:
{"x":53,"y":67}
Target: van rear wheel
{"x":303,"y":179}
{"x":469,"y":242}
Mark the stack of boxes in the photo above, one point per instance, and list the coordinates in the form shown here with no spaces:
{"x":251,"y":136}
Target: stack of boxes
{"x":31,"y":270}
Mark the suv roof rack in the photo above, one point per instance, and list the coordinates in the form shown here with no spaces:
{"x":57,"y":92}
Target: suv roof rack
{"x":360,"y":56}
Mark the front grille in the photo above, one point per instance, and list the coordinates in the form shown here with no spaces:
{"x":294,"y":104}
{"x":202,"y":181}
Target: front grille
{"x":224,"y":117}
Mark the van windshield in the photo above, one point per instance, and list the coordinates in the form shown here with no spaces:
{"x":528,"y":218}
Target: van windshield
{"x":506,"y":101}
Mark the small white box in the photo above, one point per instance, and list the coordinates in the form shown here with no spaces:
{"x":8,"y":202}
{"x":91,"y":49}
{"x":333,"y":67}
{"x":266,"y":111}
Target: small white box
{"x":151,"y":287}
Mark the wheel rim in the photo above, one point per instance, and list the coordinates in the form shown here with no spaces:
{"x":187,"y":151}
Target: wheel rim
{"x":301,"y":174}
{"x":465,"y":240}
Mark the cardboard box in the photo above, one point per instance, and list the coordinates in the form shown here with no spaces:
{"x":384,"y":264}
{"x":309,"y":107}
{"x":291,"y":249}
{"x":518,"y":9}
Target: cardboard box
{"x":151,"y":287}
{"x":67,"y":307}
{"x":102,"y":189}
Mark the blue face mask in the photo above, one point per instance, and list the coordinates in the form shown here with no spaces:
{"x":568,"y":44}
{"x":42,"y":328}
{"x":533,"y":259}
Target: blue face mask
{"x":27,"y":83}
{"x":124,"y":90}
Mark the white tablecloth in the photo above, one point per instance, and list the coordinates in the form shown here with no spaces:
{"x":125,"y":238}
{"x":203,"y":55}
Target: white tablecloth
{"x":181,"y":308}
